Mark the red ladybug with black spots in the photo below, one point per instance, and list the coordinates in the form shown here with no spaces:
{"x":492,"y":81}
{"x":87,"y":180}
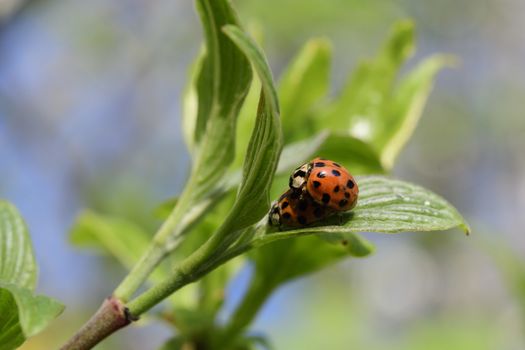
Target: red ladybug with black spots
{"x":294,"y":209}
{"x":327,"y":182}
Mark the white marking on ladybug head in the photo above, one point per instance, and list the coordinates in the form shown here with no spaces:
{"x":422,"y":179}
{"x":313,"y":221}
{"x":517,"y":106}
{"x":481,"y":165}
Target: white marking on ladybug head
{"x":298,"y":181}
{"x":274,"y":216}
{"x":299,"y":176}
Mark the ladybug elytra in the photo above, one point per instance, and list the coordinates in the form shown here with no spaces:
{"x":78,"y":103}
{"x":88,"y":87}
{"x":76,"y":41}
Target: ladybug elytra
{"x":318,"y":189}
{"x":327,"y":182}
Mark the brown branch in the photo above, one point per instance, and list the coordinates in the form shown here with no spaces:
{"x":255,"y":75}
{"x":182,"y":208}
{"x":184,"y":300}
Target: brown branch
{"x":111,"y":316}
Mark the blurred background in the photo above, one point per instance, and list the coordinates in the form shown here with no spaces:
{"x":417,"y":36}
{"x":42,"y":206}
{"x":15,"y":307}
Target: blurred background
{"x":90,"y":95}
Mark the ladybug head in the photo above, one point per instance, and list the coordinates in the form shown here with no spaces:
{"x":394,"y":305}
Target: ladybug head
{"x":299,"y":176}
{"x":274,"y":216}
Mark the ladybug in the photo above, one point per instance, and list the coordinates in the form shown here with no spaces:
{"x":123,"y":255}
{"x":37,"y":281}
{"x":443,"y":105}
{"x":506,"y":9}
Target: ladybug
{"x":294,"y":209}
{"x":327,"y":182}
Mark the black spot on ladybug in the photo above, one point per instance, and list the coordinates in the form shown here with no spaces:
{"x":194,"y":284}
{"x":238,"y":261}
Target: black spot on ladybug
{"x":321,"y":175}
{"x":284,"y":205}
{"x":317,"y":184}
{"x":318,"y":212}
{"x":326,"y":198}
{"x":302,"y":205}
{"x":319,"y":164}
{"x":350,"y":184}
{"x":336,"y":164}
{"x":301,"y":219}
{"x":347,"y":195}
{"x":336,"y":172}
{"x":295,"y":195}
{"x":343,"y":202}
{"x":336,"y":189}
{"x":287,"y":216}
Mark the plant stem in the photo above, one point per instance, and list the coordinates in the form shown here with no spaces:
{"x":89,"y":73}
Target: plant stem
{"x":140,"y":272}
{"x":156,"y":252}
{"x":209,"y":256}
{"x":111,"y":316}
{"x":196,"y":265}
{"x":178,"y":279}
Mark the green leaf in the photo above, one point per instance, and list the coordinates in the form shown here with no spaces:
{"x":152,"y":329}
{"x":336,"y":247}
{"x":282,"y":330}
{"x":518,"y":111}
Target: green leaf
{"x":357,"y":156}
{"x":164,"y":209}
{"x":282,"y":261}
{"x":252,"y":342}
{"x":292,"y":258}
{"x":223,"y":82}
{"x":360,"y":107}
{"x":126,"y":242}
{"x":22,"y":314}
{"x":296,"y":153}
{"x":175,"y":343}
{"x":34,"y":312}
{"x":407,"y":105}
{"x":120,"y":238}
{"x":303,"y":85}
{"x":190,"y":101}
{"x":384,"y":205}
{"x":246,"y":123}
{"x":387,"y":206}
{"x":265,"y":145}
{"x":373,"y":108}
{"x":17,"y":262}
{"x":11,"y":335}
{"x":352,"y":244}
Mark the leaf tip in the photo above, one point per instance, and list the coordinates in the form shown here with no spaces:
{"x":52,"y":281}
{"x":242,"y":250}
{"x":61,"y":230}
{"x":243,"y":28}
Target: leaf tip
{"x":228,"y":28}
{"x":401,"y":44}
{"x":321,"y":44}
{"x":466,"y":228}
